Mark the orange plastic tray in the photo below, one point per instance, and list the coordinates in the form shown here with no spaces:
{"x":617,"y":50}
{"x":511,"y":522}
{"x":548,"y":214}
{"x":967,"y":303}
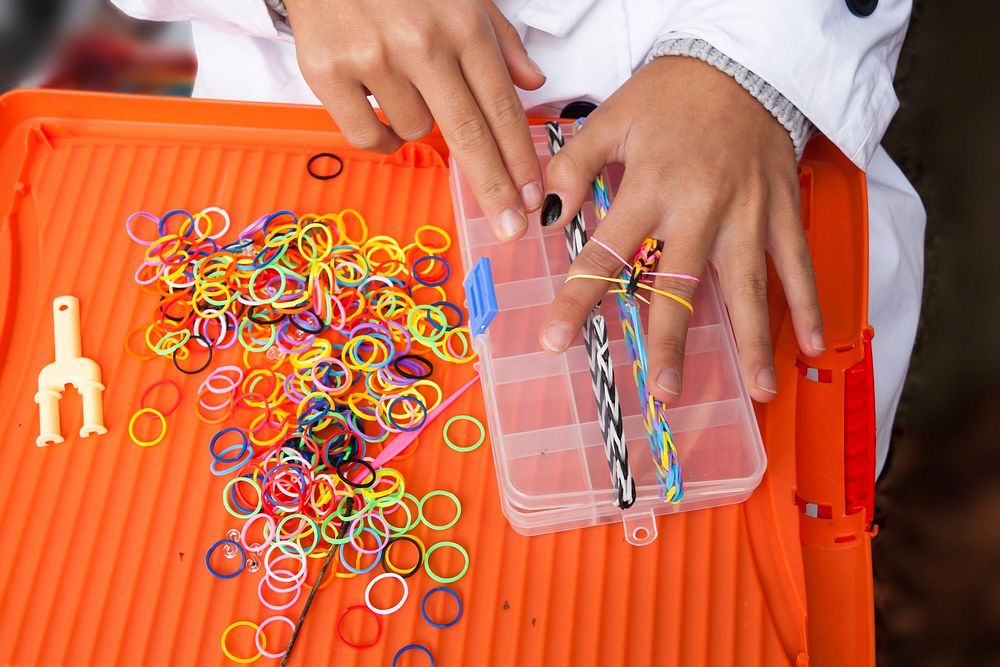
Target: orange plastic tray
{"x":102,"y":555}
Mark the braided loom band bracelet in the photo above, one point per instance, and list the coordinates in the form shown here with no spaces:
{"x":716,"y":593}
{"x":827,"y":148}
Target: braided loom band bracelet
{"x":412,"y":647}
{"x":621,"y":281}
{"x":160,"y":383}
{"x":260,"y":640}
{"x":225,"y":646}
{"x":389,"y":610}
{"x":389,"y":566}
{"x":212,"y":549}
{"x":433,"y":575}
{"x":442,"y":493}
{"x":346,"y":613}
{"x":163,"y":427}
{"x":464,"y":448}
{"x":454,"y":596}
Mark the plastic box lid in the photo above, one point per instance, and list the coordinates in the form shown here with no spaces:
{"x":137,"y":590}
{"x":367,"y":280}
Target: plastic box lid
{"x":547,"y":444}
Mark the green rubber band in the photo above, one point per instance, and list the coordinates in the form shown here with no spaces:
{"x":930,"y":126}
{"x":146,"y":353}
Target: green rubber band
{"x":445,"y":580}
{"x":185,"y":336}
{"x":411,"y":523}
{"x":337,"y":541}
{"x":311,"y":522}
{"x":229,"y":507}
{"x":468,"y":448}
{"x":446,"y":494}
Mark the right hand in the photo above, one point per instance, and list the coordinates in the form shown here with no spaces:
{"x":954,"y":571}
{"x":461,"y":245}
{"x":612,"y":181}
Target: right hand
{"x":455,"y":61}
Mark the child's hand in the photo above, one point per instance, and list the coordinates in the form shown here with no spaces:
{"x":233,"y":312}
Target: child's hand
{"x":451,"y":61}
{"x":712,"y":174}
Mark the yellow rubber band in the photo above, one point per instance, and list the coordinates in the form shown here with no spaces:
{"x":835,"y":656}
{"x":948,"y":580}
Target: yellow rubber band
{"x":163,"y":427}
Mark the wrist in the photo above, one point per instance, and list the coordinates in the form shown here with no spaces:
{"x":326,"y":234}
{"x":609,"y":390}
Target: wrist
{"x":799,"y":128}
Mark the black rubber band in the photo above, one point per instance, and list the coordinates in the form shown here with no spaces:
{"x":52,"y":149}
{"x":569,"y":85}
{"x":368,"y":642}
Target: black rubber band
{"x":403,"y":538}
{"x":303,"y":329}
{"x":363,"y":464}
{"x":251,"y":313}
{"x":410,"y":376}
{"x":325,"y":177}
{"x":205,"y":365}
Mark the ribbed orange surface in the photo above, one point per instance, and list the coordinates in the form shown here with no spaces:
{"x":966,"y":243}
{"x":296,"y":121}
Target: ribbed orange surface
{"x":102,"y":543}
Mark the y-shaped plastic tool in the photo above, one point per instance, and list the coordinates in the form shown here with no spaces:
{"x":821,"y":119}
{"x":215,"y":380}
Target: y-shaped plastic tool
{"x":70,"y":367}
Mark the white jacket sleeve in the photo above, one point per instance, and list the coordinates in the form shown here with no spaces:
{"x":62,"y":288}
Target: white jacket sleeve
{"x":834,"y":66}
{"x":246,"y":17}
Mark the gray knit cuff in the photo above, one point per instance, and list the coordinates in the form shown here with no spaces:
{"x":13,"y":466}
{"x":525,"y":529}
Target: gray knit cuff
{"x":786,"y":113}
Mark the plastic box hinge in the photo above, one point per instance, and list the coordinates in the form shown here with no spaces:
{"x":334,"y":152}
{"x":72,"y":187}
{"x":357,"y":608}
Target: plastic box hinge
{"x":859,"y":436}
{"x":480,"y":296}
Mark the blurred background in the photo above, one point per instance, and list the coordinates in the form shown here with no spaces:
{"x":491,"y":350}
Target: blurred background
{"x":937,"y":555}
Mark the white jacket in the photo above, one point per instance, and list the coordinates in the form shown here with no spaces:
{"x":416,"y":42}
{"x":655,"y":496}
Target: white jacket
{"x":834,"y":65}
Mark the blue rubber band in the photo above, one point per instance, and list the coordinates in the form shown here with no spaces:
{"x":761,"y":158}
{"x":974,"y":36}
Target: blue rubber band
{"x":431,"y":258}
{"x":456,"y":309}
{"x":453,"y":594}
{"x":215,"y":438}
{"x":211,"y":550}
{"x":161,"y":225}
{"x":412,"y":647}
{"x":412,"y":399}
{"x":236,"y":465}
{"x":340,"y":549}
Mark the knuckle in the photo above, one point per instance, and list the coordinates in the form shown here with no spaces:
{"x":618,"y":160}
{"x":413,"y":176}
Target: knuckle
{"x":417,"y":44}
{"x":495,"y":188}
{"x":471,"y":133}
{"x":368,"y":57}
{"x":506,"y":112}
{"x":415,"y":130}
{"x":599,"y":261}
{"x":669,"y":341}
{"x":316,"y":63}
{"x":574,"y":305}
{"x":370,"y":140}
{"x":752,"y":286}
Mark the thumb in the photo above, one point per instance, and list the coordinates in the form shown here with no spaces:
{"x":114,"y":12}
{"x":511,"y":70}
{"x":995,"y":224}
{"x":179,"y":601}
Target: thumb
{"x":524,"y":72}
{"x":571,"y":171}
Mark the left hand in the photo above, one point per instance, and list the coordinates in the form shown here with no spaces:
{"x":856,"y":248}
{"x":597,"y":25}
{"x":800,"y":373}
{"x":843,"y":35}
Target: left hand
{"x":712,"y":174}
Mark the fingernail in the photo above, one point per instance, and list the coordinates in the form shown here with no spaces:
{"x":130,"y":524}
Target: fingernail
{"x":512,"y":223}
{"x":551,"y":210}
{"x":535,"y":67}
{"x":765,"y":380}
{"x":531,"y":195}
{"x":817,"y":340}
{"x":669,"y":380}
{"x":557,"y":337}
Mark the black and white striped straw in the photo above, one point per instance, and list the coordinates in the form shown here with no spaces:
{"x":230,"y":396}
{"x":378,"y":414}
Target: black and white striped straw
{"x":602,"y":374}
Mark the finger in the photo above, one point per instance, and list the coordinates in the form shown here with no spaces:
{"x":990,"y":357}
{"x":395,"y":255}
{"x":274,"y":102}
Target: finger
{"x":684,"y":254}
{"x":490,"y":84}
{"x":471,"y":142}
{"x":524,"y":72}
{"x":571,"y":171}
{"x":405,"y":108}
{"x":622,"y":231}
{"x":787,"y":245}
{"x":743,"y":274}
{"x":347,"y":103}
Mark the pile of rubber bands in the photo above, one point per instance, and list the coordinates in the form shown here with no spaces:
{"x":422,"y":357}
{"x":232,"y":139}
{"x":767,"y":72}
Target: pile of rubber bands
{"x":339,"y":335}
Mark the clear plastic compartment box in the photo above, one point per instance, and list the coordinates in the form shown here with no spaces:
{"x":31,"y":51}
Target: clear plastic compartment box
{"x":547,"y":445}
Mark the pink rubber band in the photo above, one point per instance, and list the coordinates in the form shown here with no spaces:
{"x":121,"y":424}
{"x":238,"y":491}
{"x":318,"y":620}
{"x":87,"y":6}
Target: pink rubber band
{"x":260,"y":631}
{"x":260,"y":595}
{"x":681,"y":276}
{"x":128,"y":226}
{"x":246,"y":527}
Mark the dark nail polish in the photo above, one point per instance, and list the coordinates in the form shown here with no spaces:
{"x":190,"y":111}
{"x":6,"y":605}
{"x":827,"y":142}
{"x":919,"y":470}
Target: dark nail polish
{"x":551,"y":209}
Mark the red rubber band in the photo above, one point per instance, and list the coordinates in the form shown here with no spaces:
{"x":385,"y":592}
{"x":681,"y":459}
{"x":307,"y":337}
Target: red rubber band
{"x":158,"y":383}
{"x":340,"y":623}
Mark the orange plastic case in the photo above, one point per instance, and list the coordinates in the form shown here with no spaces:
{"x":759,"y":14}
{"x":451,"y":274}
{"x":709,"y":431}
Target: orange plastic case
{"x":102,"y":556}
